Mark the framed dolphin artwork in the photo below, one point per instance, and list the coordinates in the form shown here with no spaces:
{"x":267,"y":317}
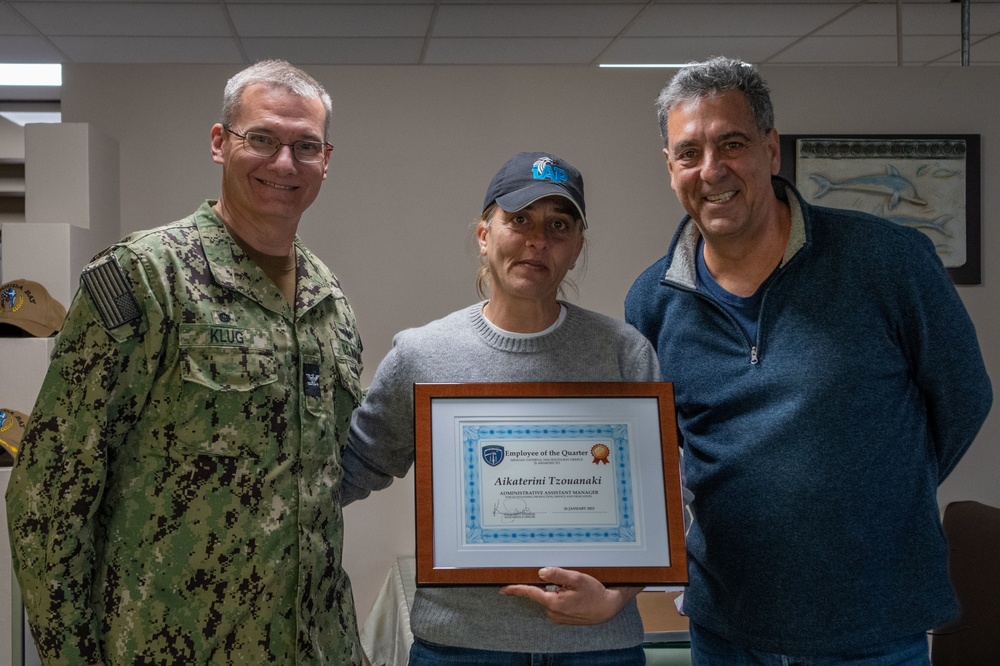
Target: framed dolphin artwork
{"x":930,"y":182}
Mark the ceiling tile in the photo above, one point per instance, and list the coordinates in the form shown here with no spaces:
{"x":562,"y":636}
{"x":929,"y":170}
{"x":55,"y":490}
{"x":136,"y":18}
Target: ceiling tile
{"x":148,"y":50}
{"x":926,"y":49}
{"x":637,"y":4}
{"x":941,"y":19}
{"x":120,"y":18}
{"x":274,"y":20}
{"x":326,"y":2}
{"x":330,"y":2}
{"x":917,"y":19}
{"x":759,"y":20}
{"x":28,"y":49}
{"x":513,"y":51}
{"x":986,"y":51}
{"x":758,"y":2}
{"x":863,"y":20}
{"x":533,"y":20}
{"x":984,"y":18}
{"x":12,"y":24}
{"x":676,"y":50}
{"x":486,"y":32}
{"x":840,"y":50}
{"x":340,"y":51}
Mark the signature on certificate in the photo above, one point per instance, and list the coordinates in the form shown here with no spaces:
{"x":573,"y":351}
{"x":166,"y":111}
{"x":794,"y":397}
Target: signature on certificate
{"x":512,"y":509}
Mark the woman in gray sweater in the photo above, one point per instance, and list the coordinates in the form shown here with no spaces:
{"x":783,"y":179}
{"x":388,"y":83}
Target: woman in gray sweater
{"x":530,"y":234}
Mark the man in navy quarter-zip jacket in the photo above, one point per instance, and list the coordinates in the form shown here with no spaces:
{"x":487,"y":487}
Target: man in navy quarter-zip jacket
{"x":827,"y":378}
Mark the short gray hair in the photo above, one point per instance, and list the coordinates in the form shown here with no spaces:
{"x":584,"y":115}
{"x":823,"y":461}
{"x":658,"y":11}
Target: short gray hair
{"x":712,"y":77}
{"x":275,"y":74}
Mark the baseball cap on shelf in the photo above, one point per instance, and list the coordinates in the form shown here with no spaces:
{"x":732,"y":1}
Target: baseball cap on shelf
{"x":26,"y":308}
{"x":12,"y":425}
{"x":528,"y":177}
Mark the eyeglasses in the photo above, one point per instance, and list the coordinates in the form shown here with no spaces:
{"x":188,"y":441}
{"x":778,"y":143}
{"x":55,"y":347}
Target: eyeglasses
{"x":262,"y":145}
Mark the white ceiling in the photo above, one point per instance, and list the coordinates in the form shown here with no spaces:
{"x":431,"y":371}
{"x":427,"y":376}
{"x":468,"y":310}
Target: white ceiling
{"x":497,"y":32}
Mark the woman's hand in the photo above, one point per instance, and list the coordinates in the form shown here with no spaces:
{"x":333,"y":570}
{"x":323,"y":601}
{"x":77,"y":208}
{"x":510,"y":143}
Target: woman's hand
{"x":571,"y":597}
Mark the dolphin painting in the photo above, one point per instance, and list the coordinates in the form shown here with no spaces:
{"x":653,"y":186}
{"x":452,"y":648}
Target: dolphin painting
{"x":891,"y":185}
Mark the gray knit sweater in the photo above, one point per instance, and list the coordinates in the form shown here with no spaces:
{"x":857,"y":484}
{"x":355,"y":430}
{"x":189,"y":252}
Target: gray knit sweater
{"x":463,"y":347}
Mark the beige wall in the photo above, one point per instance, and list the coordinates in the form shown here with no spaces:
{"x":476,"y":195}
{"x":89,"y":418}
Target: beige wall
{"x":416,"y":147}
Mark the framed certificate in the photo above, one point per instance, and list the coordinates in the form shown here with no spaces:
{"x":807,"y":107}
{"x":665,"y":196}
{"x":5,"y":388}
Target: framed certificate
{"x":511,"y":477}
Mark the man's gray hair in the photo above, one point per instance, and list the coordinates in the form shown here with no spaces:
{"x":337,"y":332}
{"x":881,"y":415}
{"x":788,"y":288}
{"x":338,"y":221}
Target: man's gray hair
{"x":275,"y":74}
{"x":713,"y":77}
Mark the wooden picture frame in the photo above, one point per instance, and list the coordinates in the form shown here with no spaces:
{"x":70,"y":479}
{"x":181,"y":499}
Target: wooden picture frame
{"x":510,"y":477}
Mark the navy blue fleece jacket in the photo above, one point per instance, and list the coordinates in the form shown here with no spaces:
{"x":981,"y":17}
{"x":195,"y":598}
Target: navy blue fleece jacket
{"x":814,"y":452}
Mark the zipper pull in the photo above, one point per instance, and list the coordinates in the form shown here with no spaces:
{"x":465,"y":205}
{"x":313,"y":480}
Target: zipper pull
{"x":753,"y":356}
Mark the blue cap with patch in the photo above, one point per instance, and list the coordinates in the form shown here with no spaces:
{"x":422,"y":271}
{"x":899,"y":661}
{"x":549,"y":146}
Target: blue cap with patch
{"x":528,"y":177}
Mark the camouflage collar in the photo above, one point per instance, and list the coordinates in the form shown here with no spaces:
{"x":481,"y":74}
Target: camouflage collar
{"x":233,"y":269}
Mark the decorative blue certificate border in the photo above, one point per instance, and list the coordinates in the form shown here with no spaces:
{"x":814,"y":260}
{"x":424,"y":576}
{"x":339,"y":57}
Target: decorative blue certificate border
{"x":617,"y":433}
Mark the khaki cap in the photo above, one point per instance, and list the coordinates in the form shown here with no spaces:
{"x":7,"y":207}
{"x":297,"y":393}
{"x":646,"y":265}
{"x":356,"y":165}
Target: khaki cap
{"x":28,"y":306}
{"x":12,"y":424}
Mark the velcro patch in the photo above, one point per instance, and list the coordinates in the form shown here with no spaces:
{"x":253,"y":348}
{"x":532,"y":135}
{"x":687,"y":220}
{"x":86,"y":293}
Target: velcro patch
{"x":310,"y":379}
{"x":112,"y":295}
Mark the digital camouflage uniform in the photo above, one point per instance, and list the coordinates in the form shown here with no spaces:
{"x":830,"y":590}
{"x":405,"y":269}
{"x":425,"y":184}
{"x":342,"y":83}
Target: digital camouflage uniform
{"x":176,"y":500}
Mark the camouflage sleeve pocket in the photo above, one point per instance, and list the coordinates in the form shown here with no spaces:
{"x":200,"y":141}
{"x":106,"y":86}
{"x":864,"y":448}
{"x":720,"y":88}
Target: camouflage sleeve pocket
{"x":226,"y":358}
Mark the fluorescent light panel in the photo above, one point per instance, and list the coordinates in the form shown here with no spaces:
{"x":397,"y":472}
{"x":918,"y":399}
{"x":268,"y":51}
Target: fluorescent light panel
{"x":30,"y":75}
{"x":645,"y":65}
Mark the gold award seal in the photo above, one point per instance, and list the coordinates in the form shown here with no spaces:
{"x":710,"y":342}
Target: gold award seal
{"x":600,"y":453}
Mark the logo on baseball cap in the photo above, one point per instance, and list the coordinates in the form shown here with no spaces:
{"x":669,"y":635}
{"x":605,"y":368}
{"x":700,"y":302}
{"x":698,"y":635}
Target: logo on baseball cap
{"x":27,"y":306}
{"x":528,"y":177}
{"x":11,"y":430}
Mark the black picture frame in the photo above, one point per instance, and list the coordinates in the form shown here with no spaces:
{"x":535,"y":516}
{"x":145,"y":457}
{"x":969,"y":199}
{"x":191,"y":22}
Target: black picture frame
{"x":931,"y":182}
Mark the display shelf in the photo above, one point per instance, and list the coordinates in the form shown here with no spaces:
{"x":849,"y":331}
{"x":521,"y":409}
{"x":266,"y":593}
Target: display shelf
{"x":51,"y":254}
{"x":71,"y":211}
{"x":25,"y":361}
{"x":8,"y":607}
{"x":41,"y":253}
{"x":78,"y":163}
{"x":12,"y":178}
{"x":11,"y":190}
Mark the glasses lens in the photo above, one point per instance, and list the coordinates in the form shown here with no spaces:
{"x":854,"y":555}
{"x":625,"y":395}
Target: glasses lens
{"x":308,"y":151}
{"x":263,"y":145}
{"x":260,"y":144}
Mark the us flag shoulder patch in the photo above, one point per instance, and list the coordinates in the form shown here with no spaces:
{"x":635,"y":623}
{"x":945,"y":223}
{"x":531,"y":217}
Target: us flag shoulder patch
{"x":112,"y":295}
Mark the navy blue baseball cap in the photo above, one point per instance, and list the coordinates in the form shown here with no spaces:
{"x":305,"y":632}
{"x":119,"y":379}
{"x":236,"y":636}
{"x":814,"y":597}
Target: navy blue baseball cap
{"x":528,"y":177}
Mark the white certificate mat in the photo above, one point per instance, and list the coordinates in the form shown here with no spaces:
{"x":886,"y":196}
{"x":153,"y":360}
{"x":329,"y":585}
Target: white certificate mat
{"x":513,"y":477}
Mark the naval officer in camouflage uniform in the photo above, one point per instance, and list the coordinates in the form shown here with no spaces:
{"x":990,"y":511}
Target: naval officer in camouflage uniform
{"x":176,"y":500}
